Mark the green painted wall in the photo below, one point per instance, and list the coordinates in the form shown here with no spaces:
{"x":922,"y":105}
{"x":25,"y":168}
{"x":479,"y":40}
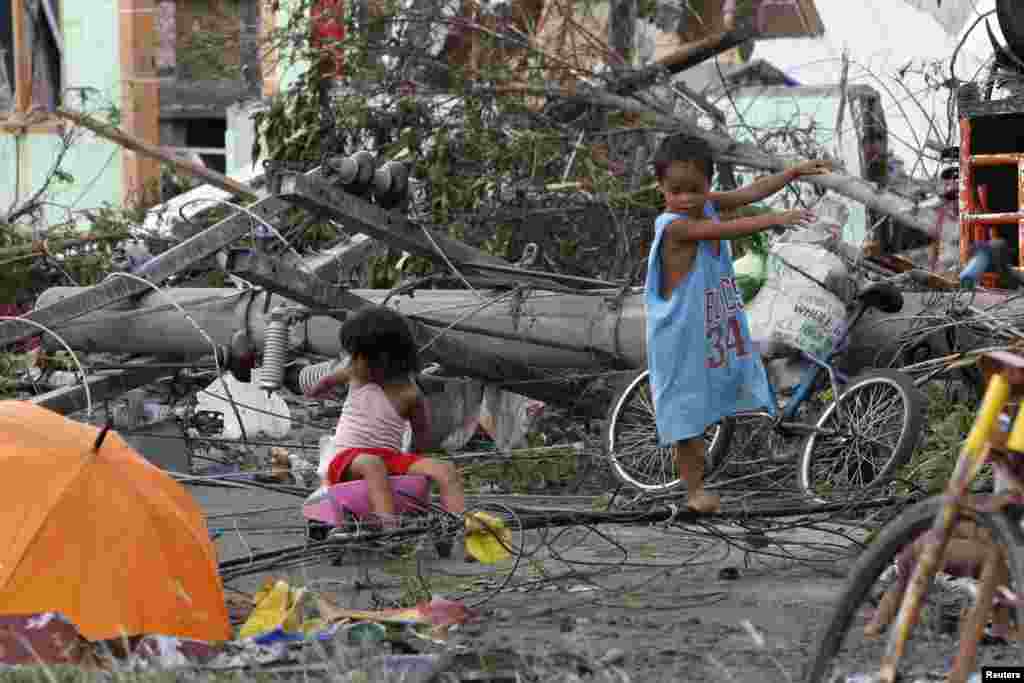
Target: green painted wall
{"x":759,"y":110}
{"x":91,"y":61}
{"x":288,"y":70}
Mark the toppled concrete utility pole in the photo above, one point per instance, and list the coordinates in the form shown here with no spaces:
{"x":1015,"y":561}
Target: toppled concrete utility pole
{"x":142,"y":147}
{"x":579,"y":324}
{"x":170,"y":262}
{"x":438,"y":344}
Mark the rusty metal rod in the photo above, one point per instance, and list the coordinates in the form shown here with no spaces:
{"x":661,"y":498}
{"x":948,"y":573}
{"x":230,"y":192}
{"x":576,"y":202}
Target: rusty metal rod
{"x":975,"y":219}
{"x":979,"y":160}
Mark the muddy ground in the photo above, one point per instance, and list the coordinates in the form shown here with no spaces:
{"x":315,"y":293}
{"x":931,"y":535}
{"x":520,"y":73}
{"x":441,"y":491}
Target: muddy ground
{"x":660,"y":604}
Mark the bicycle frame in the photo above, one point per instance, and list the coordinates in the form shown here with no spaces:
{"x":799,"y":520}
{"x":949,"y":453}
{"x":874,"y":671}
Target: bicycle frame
{"x":973,"y":455}
{"x":786,"y":420}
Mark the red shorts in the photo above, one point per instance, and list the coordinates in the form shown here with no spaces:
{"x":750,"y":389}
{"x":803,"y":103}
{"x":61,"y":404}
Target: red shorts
{"x":396,"y":463}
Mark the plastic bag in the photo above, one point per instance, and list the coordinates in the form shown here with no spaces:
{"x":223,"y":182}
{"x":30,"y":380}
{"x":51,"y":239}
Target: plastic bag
{"x":799,"y":305}
{"x":455,"y":412}
{"x":509,"y":418}
{"x":750,"y":274}
{"x":262,"y":415}
{"x":487,"y":538}
{"x":276,"y":608}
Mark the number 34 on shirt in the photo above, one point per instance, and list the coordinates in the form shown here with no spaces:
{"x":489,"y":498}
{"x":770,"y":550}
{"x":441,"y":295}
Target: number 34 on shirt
{"x":724,"y":333}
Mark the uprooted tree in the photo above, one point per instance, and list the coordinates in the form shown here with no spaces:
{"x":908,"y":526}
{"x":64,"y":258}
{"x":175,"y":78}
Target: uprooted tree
{"x":460,"y":95}
{"x":517,"y":130}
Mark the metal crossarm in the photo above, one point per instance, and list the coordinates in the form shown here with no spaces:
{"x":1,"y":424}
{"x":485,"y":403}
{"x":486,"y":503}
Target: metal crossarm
{"x":160,"y":268}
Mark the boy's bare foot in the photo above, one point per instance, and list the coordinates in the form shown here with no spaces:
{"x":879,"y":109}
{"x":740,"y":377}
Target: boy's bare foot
{"x":703,"y":502}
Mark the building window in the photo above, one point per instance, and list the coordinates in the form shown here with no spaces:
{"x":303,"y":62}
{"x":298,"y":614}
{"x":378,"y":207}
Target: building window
{"x":33,"y":80}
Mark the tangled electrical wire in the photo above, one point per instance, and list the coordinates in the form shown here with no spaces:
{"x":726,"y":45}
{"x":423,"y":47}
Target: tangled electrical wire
{"x":763,"y":519}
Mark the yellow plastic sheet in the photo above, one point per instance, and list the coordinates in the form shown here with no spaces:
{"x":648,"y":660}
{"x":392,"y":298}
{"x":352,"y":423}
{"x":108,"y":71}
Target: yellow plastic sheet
{"x":487,"y":538}
{"x":276,"y":606}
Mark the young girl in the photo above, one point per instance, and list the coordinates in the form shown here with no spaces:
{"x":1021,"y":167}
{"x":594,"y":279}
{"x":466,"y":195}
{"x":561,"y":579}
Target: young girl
{"x":382,"y":398}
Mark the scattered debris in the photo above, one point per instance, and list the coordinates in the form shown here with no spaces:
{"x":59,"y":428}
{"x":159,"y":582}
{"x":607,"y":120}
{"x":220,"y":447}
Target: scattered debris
{"x":262,"y":414}
{"x":503,"y":295}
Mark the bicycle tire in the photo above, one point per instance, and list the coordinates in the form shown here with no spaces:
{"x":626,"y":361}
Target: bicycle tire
{"x":1011,"y":21}
{"x":913,"y":404}
{"x":913,"y":522}
{"x":635,"y":398}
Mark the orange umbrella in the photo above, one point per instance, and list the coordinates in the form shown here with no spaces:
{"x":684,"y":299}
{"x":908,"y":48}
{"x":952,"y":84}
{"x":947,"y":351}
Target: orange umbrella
{"x":91,"y":530}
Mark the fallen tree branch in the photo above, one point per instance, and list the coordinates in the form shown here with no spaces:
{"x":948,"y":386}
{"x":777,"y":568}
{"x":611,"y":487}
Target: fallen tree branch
{"x":730,"y":150}
{"x":43,"y":247}
{"x":154,"y":152}
{"x":687,"y":56}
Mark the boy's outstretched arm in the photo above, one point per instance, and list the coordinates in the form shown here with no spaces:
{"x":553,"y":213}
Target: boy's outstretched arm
{"x":686,"y":230}
{"x":765,"y":187}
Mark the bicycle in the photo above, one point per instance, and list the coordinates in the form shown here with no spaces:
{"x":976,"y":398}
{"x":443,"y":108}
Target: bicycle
{"x":827,"y":466}
{"x":911,"y":551}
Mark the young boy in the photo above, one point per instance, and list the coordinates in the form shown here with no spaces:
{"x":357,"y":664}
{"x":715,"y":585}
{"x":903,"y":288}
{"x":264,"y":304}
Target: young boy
{"x":702,"y":364}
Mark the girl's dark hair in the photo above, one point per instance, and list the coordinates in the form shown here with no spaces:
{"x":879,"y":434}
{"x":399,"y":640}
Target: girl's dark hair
{"x":683,"y":148}
{"x":383,"y":337}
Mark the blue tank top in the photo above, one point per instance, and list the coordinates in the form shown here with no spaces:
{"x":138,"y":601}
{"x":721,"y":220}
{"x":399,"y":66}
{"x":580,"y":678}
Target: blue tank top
{"x":702,"y":362}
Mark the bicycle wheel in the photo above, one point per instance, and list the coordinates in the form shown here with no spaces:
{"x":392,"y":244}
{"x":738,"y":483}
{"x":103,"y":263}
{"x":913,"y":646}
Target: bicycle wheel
{"x":631,"y":441}
{"x":843,"y":649}
{"x":875,"y":426}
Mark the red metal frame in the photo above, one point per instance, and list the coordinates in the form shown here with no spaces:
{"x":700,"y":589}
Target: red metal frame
{"x":976,"y":221}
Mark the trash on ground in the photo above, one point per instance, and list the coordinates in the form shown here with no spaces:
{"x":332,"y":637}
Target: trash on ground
{"x":487,"y":538}
{"x":262,"y":414}
{"x":508,"y":418}
{"x":277,"y":608}
{"x":439,"y":613}
{"x":455,"y":411}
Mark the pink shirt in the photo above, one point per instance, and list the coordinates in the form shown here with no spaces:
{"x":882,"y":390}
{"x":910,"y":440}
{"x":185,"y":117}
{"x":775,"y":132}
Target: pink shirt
{"x":368,"y":420}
